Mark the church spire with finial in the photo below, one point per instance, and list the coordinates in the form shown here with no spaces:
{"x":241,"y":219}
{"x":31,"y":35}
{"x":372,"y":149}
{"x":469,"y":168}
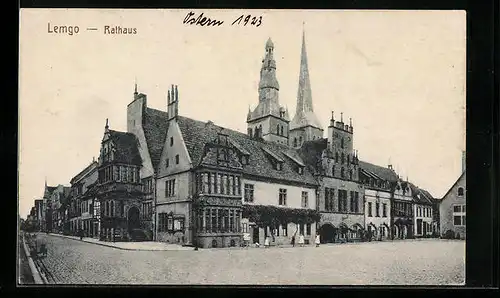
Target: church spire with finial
{"x":304,"y":113}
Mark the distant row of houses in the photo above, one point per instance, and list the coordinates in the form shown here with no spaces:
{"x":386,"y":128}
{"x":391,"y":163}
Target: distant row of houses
{"x":179,"y":180}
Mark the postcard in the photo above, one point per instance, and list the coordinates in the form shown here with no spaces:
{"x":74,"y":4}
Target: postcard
{"x":242,"y":147}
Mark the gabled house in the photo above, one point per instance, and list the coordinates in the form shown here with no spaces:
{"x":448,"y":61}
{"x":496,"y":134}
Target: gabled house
{"x":378,"y":195}
{"x":423,"y":212}
{"x":119,"y":189}
{"x":452,"y":208}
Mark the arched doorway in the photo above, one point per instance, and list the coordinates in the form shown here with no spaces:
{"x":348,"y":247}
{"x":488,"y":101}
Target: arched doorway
{"x":133,"y":219}
{"x":327,"y":233}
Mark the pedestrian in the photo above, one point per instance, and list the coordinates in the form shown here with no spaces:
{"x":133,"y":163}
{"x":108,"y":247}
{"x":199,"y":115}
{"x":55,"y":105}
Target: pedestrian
{"x":266,"y":242}
{"x":301,"y":240}
{"x":293,"y":240}
{"x":317,"y":240}
{"x":80,"y":232}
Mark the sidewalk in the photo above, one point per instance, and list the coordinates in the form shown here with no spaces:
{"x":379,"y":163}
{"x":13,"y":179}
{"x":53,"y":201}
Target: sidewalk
{"x":137,"y":246}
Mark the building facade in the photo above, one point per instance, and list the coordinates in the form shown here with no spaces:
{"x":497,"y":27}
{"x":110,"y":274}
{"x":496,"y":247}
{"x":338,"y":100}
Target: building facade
{"x":452,"y":208}
{"x":402,"y":211}
{"x":118,"y":188}
{"x":423,"y":213}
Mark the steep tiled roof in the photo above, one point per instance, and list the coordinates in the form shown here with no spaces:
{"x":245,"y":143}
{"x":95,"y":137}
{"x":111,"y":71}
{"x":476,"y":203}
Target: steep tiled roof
{"x":126,"y":147}
{"x":196,"y":134}
{"x":382,"y":172}
{"x":155,"y":127}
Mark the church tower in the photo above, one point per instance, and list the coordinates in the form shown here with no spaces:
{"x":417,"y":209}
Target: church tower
{"x":269,"y":121}
{"x":305,"y":125}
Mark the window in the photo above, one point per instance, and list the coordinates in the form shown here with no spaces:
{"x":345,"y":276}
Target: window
{"x":301,"y":229}
{"x":171,"y":141}
{"x":333,"y":170}
{"x":294,"y":142}
{"x":166,"y":163}
{"x":356,"y":202}
{"x":336,"y":157}
{"x":214,"y":220}
{"x":177,"y":159}
{"x":282,"y":197}
{"x":352,"y":202}
{"x":305,"y":202}
{"x":178,"y":224}
{"x":460,"y":191}
{"x":170,"y":188}
{"x":301,"y":170}
{"x":285,"y":229}
{"x":342,"y":146}
{"x":342,"y":173}
{"x":459,"y":215}
{"x":308,"y":229}
{"x":244,"y":228}
{"x":342,"y":201}
{"x":279,"y":166}
{"x":231,"y":185}
{"x":211,"y":181}
{"x":329,"y":196}
{"x":219,"y":185}
{"x":248,"y":196}
{"x":282,"y":131}
{"x":237,"y":186}
{"x":170,"y":223}
{"x":277,"y":129}
{"x":377,"y":207}
{"x":384,"y":210}
{"x":370,"y":209}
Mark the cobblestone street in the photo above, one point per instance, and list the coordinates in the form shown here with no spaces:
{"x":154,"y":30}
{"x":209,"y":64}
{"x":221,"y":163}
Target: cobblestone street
{"x":418,"y":262}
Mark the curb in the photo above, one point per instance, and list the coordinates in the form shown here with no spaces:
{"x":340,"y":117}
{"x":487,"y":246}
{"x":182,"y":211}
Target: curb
{"x":112,"y":246}
{"x":34,"y":271}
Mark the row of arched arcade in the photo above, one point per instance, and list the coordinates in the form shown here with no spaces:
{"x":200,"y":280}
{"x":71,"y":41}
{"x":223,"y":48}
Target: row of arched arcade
{"x":330,"y":233}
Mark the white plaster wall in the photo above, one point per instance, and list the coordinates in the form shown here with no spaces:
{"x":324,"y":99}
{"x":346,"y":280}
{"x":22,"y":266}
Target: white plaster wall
{"x":267,"y":193}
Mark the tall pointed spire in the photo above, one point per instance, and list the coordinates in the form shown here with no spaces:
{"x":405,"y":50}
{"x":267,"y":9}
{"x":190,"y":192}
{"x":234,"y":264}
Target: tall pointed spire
{"x":304,"y":114}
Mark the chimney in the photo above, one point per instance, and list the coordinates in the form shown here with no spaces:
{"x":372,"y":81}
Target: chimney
{"x":172,"y":102}
{"x":463,"y":161}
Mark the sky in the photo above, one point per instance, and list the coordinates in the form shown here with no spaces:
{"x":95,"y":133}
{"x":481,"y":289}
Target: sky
{"x":400,"y":76}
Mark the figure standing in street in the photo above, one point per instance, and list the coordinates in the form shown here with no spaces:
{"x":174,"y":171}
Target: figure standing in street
{"x":266,"y":242}
{"x":293,"y":240}
{"x":301,"y":240}
{"x":317,"y":240}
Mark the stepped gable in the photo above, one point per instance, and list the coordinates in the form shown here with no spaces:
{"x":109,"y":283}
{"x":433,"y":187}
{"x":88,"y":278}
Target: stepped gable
{"x":197,"y":133}
{"x":126,"y":150}
{"x":155,"y":126}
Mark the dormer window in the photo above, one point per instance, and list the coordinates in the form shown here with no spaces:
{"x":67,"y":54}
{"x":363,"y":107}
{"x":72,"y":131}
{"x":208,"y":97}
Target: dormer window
{"x":279,"y":166}
{"x":301,"y":170}
{"x":460,"y":191}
